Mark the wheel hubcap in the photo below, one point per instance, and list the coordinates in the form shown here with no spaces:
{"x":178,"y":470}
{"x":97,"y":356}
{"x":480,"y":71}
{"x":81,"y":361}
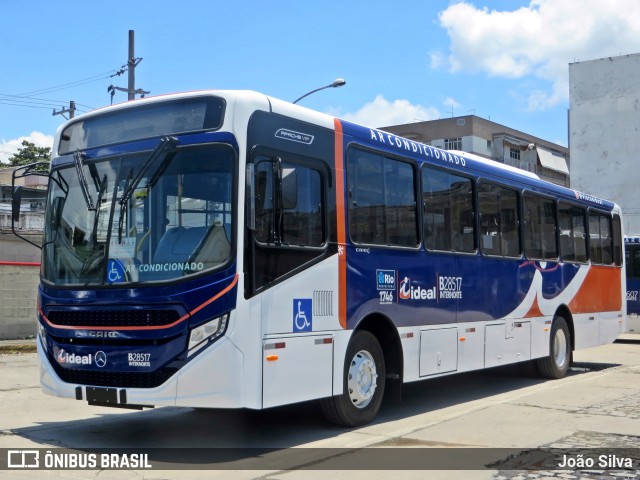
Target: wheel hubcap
{"x":560,"y":348}
{"x":363,"y":379}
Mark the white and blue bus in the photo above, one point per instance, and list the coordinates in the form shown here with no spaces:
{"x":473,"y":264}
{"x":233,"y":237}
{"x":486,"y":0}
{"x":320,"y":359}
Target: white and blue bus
{"x":226,"y":249}
{"x":632,"y":259}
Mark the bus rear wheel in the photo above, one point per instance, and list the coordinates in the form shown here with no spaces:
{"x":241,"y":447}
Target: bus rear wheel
{"x":557,"y":364}
{"x":363,"y":383}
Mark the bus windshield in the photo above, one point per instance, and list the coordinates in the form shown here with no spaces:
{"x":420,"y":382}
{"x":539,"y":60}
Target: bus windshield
{"x":174,"y":220}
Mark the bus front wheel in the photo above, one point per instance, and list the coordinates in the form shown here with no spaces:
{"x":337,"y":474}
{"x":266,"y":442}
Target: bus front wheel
{"x":363,"y":383}
{"x":556,"y":365}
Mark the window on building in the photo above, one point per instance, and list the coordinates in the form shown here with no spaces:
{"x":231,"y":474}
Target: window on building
{"x":514,"y":153}
{"x":540,"y":227}
{"x":499,"y":220}
{"x":382,"y":200}
{"x":448,"y":211}
{"x":453,"y":143}
{"x":488,"y":144}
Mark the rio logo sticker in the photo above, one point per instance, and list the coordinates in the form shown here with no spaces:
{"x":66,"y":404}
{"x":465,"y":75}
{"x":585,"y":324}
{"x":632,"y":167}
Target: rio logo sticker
{"x":302,"y":315}
{"x":386,"y":280}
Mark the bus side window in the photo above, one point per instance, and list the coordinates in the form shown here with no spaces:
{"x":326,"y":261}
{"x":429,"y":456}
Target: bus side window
{"x":499,"y":220}
{"x":632,"y":260}
{"x":382,"y":200}
{"x":600,"y":239}
{"x":617,"y":240}
{"x":449,"y":215}
{"x":573,"y":239}
{"x":264,"y":202}
{"x":540,"y":227}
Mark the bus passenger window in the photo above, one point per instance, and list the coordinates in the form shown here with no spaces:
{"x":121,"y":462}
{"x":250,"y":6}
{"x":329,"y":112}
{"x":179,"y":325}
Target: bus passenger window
{"x":617,"y":240}
{"x":632,"y":260}
{"x":499,"y":220}
{"x":382,"y":200}
{"x":600,"y":240}
{"x":573,"y":238}
{"x":540,"y":228}
{"x":448,"y":211}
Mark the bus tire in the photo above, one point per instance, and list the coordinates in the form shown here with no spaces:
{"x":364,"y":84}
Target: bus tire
{"x":363,"y":383}
{"x":557,"y":364}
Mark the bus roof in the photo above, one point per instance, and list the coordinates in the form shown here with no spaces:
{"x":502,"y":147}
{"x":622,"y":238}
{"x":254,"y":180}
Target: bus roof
{"x":368,"y":136}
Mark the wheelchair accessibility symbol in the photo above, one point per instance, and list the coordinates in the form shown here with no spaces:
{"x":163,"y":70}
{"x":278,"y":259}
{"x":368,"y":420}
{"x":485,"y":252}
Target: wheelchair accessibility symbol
{"x":302,"y":315}
{"x":115,"y":271}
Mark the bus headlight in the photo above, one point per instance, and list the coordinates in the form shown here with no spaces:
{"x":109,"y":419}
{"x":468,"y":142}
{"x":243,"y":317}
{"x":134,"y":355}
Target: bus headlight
{"x":207,"y":332}
{"x":43,"y":335}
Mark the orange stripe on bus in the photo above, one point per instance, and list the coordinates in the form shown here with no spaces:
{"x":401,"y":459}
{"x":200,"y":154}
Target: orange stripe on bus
{"x":534,"y":311}
{"x":152,"y":327}
{"x":590,"y":298}
{"x":340,"y":218}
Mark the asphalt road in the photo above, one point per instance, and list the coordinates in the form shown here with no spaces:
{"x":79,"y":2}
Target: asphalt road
{"x":494,"y":418}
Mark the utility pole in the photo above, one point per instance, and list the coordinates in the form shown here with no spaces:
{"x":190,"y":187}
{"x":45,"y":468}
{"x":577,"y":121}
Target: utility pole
{"x":132,"y":67}
{"x":71,"y":110}
{"x":132,"y":63}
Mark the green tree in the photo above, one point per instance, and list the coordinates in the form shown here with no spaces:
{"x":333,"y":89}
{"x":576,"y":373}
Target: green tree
{"x":29,"y":153}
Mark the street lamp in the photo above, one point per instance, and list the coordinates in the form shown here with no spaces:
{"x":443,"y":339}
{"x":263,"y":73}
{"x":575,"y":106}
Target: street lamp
{"x":338,"y":82}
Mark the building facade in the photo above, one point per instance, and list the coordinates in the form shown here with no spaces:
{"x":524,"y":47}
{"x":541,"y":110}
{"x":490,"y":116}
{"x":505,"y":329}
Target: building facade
{"x":604,"y":132}
{"x":491,"y":140}
{"x":34,"y":193}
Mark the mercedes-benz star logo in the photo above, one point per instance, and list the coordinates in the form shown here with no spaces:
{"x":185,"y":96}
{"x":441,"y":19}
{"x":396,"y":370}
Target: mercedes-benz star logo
{"x":101,"y":359}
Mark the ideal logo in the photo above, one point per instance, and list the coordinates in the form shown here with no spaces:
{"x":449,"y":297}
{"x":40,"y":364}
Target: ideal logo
{"x":409,"y":292}
{"x":73,"y":359}
{"x":386,"y":279}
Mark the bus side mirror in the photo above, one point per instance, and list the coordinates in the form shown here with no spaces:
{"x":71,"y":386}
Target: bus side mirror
{"x":16,"y":201}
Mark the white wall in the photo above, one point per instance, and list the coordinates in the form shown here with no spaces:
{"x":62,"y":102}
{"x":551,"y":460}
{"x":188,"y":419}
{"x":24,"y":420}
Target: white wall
{"x":604,"y":123}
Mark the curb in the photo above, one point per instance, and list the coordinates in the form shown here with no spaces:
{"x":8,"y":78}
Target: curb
{"x":16,"y":347}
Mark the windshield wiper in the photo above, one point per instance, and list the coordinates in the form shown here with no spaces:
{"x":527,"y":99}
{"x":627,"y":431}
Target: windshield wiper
{"x":78,"y":157}
{"x":124,"y":205}
{"x":166,"y":143}
{"x":101,"y":189}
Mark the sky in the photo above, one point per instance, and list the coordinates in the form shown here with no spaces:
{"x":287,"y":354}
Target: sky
{"x":407,"y":61}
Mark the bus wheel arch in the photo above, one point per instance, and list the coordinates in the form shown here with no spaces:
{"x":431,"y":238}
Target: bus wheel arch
{"x":564,"y":312}
{"x":387,"y":335}
{"x":373,"y":356}
{"x":561,"y":345}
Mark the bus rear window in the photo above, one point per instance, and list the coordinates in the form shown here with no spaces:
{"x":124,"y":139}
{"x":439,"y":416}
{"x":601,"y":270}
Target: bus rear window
{"x":153,"y":120}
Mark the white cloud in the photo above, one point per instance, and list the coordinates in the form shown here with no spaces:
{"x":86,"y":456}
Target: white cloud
{"x":451,"y":102}
{"x":10,"y":147}
{"x":383,"y":113}
{"x":540,"y":40}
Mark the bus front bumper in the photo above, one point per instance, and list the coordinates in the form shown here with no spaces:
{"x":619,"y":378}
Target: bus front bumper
{"x":211,"y":380}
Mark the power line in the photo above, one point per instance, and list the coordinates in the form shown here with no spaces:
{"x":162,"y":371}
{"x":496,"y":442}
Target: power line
{"x":19,"y":98}
{"x":28,"y":99}
{"x":23,"y":105}
{"x":64,"y":86}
